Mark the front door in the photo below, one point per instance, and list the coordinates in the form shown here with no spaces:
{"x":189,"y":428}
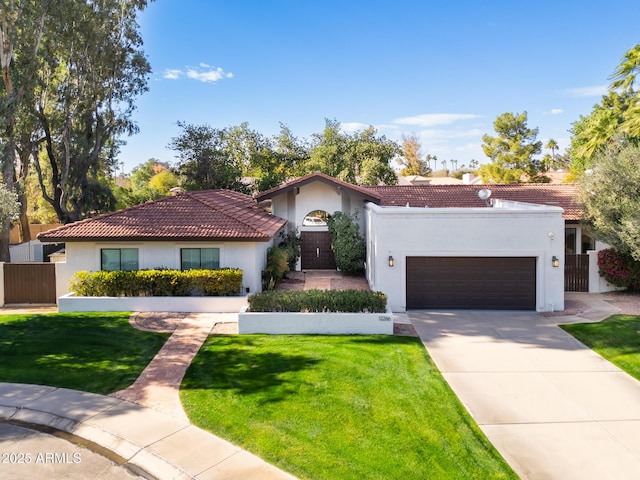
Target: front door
{"x":316,"y":251}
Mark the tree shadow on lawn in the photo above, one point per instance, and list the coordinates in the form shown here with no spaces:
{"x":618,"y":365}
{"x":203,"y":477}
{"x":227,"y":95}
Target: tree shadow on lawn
{"x":245,"y":365}
{"x":98,"y":354}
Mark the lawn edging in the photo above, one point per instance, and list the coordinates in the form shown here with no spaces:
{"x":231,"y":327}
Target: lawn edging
{"x":322,"y":323}
{"x":71,"y":303}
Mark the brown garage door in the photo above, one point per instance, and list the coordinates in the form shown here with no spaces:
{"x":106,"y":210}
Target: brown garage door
{"x":490,"y":283}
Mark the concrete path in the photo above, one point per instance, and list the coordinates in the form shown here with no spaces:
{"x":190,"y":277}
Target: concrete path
{"x":144,"y":440}
{"x":552,"y":407}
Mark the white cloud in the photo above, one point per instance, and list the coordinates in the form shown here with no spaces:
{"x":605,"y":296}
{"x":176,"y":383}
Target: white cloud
{"x":434,"y":119}
{"x":172,"y":74}
{"x":350,"y":127}
{"x":203,"y":73}
{"x":556,"y":111}
{"x":593,"y":91}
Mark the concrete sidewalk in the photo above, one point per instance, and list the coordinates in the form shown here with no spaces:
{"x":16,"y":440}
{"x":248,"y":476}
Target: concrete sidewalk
{"x":551,"y":406}
{"x":144,"y":440}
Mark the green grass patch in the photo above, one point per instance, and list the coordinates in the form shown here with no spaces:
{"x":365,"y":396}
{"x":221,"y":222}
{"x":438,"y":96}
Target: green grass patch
{"x":616,"y":338}
{"x":94,"y":352}
{"x":337,"y":407}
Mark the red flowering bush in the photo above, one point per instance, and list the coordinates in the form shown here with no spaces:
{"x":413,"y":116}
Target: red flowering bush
{"x":619,"y":269}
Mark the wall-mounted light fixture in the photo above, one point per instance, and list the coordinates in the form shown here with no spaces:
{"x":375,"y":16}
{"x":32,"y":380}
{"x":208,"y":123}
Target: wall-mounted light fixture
{"x":555,"y":262}
{"x":390,"y":261}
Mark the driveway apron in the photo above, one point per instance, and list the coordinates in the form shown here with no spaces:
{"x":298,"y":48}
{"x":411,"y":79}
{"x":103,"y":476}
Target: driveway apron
{"x":551,"y":406}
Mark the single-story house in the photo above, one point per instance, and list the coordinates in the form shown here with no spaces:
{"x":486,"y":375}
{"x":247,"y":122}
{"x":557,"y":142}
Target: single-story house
{"x":428,"y":246}
{"x":207,"y":229}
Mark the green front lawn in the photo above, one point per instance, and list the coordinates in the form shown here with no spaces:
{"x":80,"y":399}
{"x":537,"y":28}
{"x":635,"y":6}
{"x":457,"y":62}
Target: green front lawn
{"x":94,"y":352}
{"x":337,"y":407}
{"x":616,"y":338}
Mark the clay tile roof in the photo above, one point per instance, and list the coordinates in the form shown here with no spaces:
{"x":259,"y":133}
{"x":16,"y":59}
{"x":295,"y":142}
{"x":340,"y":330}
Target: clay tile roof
{"x":205,"y":215}
{"x":317,"y":176}
{"x":448,"y":196}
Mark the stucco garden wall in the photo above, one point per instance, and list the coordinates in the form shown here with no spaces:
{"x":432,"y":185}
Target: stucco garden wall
{"x":508,"y":229}
{"x":315,"y":323}
{"x":70,"y":303}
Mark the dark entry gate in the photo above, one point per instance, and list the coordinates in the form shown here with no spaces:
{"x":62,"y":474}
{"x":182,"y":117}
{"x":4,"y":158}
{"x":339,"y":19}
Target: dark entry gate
{"x":316,"y":251}
{"x":29,"y":283}
{"x":576,"y":273}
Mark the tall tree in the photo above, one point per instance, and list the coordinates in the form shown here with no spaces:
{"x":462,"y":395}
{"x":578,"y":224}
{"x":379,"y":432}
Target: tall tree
{"x":290,"y":152}
{"x":21,"y":30}
{"x":328,"y":152}
{"x":625,"y":78}
{"x":71,"y":72}
{"x":515,"y":145}
{"x":204,"y":161}
{"x":411,"y":157}
{"x":614,"y":120}
{"x":361,"y":158}
{"x":611,"y":200}
{"x":553,"y":146}
{"x":369,"y":157}
{"x":594,"y":133}
{"x":94,"y":69}
{"x":9,"y":206}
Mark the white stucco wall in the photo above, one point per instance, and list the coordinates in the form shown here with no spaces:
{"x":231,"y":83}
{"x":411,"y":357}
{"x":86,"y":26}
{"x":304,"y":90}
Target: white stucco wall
{"x":317,"y":196}
{"x":250,"y":257}
{"x":509,"y":229}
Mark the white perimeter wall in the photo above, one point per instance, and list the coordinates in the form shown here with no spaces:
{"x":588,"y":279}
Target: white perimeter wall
{"x":510,"y":229}
{"x":250,"y":257}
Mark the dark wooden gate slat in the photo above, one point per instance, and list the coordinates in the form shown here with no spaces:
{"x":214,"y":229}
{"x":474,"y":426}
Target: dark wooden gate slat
{"x":576,"y":273}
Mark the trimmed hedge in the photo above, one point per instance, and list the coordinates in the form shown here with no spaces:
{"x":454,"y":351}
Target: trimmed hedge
{"x":160,"y":283}
{"x":346,"y":301}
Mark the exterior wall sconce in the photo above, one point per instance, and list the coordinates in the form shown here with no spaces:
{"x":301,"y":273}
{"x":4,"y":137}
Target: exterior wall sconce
{"x":390,"y":261}
{"x":555,"y":262}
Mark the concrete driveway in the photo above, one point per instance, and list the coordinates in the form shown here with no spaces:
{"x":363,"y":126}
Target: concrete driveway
{"x":551,"y":406}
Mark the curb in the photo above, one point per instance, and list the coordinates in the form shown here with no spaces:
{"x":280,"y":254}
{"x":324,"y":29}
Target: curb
{"x":149,"y":443}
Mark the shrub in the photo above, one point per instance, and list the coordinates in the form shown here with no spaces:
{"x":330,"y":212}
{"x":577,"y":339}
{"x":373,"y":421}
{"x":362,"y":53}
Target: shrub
{"x":348,"y":301}
{"x":292,"y":243}
{"x":619,"y":269}
{"x":277,"y":266}
{"x":348,"y":245}
{"x":136,"y":283}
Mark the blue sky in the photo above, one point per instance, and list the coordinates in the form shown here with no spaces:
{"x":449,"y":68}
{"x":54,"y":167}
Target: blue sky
{"x":442,"y":70}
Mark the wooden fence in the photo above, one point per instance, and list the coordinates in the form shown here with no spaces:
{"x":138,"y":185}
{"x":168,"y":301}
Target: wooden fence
{"x":29,"y":283}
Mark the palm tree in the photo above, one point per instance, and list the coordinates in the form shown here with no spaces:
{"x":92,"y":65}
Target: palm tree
{"x":624,"y":77}
{"x":429,"y":157}
{"x":553,"y":146}
{"x":625,"y":74}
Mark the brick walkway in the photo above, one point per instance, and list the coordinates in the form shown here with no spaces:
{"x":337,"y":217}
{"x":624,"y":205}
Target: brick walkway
{"x":158,"y":386}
